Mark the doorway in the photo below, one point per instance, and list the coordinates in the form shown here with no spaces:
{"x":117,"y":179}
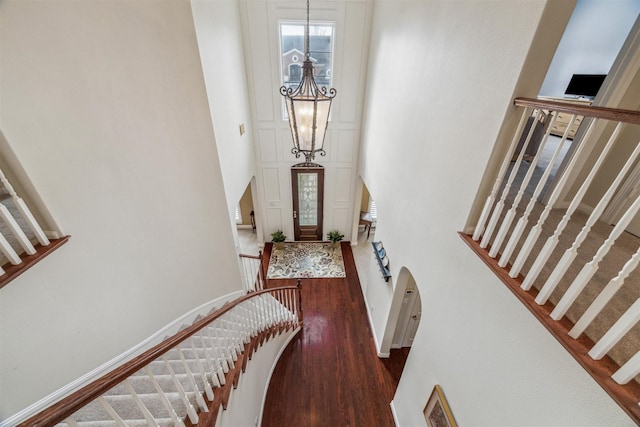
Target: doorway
{"x":307,"y":182}
{"x":409,"y":316}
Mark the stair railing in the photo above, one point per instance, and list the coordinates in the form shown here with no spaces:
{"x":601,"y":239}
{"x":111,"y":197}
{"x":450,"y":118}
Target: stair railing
{"x":510,"y":241}
{"x":22,"y":240}
{"x":184,"y":377}
{"x":253,"y":271}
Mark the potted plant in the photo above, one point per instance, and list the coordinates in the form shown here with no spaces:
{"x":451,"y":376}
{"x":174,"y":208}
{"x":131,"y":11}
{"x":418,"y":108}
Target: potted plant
{"x":278,"y":238}
{"x":335,"y":236}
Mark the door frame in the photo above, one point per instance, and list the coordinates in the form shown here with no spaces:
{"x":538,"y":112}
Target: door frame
{"x":307,"y":168}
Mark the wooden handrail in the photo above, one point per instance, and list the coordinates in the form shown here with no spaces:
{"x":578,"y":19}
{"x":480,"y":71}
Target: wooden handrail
{"x":70,"y":404}
{"x":615,"y":114}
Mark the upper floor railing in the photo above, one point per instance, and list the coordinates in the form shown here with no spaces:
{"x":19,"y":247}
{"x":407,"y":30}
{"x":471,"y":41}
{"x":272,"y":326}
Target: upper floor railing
{"x":22,"y":239}
{"x":188,"y":375}
{"x":542,"y":230}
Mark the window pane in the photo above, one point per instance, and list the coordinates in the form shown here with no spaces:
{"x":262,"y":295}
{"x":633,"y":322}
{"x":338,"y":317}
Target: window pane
{"x":292,"y":50}
{"x":308,"y":198}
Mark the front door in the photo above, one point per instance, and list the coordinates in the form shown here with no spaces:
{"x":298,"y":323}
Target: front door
{"x":307,"y":183}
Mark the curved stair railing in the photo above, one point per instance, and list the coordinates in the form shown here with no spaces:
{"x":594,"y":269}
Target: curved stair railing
{"x":184,"y":380}
{"x":553,"y":255}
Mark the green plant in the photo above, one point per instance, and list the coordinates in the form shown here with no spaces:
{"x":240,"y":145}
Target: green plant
{"x":335,"y":236}
{"x":278,"y":236}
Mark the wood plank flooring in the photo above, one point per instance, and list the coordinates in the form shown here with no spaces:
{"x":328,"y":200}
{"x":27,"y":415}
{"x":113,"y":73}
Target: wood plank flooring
{"x":330,"y":374}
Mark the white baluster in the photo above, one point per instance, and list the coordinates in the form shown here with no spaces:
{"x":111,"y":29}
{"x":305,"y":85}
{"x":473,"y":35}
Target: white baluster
{"x":296,"y":309}
{"x":255,"y":308}
{"x":552,"y":241}
{"x":571,"y":253}
{"x":11,"y":222}
{"x":511,"y":213}
{"x":497,"y":210}
{"x":191,"y":412}
{"x":605,"y":296}
{"x":24,"y":210}
{"x":147,"y":415}
{"x":534,"y":233}
{"x":524,"y":219}
{"x":203,"y":372}
{"x":71,"y":422}
{"x":221,"y":366}
{"x":227,"y":347}
{"x":503,"y":171}
{"x":8,"y":251}
{"x":617,"y":331}
{"x":591,"y":267}
{"x":219,"y":349}
{"x":112,"y":413}
{"x":206,"y":348}
{"x":628,"y":371}
{"x":264,"y":312}
{"x":192,"y":382}
{"x":163,"y":398}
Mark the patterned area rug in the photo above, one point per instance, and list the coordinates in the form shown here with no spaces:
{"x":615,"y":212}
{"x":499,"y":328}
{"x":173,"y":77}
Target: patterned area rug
{"x":310,"y":260}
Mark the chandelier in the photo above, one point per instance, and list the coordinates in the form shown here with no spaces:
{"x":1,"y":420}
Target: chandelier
{"x":308,"y":107}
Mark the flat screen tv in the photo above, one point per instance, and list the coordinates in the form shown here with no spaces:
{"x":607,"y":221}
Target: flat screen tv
{"x":586,"y":85}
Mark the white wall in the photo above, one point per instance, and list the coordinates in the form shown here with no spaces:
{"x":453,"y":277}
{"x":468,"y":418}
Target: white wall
{"x":590,"y":42}
{"x":104,"y":103}
{"x":441,"y":80}
{"x":219,"y":35}
{"x":272,"y":134}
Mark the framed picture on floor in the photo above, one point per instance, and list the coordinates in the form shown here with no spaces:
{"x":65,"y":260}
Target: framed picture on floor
{"x":437,"y":412}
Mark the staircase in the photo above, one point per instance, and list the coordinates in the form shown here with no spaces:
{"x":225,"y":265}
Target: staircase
{"x":186,"y":379}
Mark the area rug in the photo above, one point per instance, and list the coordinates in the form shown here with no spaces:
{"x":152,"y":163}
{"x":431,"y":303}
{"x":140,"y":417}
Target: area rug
{"x":306,"y":260}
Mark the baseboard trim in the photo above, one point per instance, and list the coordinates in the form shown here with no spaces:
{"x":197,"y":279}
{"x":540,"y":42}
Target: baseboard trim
{"x":169,"y":329}
{"x":373,"y":331}
{"x":393,"y":412}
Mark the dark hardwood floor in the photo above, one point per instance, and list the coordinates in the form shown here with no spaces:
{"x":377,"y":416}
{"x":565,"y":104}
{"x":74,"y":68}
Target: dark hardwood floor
{"x":330,"y":374}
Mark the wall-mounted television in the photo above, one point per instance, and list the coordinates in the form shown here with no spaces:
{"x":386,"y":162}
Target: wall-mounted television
{"x":586,"y":85}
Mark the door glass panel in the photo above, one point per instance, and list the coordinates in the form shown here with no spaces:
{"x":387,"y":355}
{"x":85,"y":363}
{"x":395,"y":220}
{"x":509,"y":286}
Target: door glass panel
{"x":308,"y":198}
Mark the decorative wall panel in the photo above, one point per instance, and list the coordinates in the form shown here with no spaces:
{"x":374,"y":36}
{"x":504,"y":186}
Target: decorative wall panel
{"x":268,"y":145}
{"x":272,"y":184}
{"x":342,"y":184}
{"x":344,"y":147}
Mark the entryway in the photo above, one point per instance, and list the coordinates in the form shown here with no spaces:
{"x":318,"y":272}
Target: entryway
{"x":307,"y":188}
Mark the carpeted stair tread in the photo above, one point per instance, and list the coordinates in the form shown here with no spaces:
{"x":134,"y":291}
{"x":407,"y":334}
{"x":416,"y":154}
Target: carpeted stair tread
{"x":266,"y":309}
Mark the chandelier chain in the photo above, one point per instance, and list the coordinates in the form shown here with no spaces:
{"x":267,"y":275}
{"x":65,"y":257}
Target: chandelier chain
{"x":307,"y":55}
